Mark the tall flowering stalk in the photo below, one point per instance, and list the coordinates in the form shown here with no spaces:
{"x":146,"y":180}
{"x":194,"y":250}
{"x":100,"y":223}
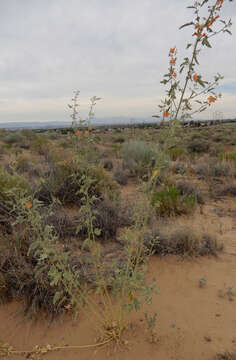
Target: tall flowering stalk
{"x":77,"y":120}
{"x":193,"y":90}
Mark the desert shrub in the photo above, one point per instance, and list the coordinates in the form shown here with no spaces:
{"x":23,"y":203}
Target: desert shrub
{"x":28,"y":134}
{"x":108,"y":164}
{"x":169,"y":201}
{"x":22,"y":164}
{"x":210,"y":168}
{"x":226,"y":356}
{"x":118,"y":139}
{"x":179,"y":167}
{"x":229,"y":189}
{"x":216,"y":150}
{"x":120,"y":176}
{"x":32,"y":265}
{"x":40,"y":145}
{"x":182,"y":240}
{"x":105,"y":218}
{"x":228,"y":156}
{"x":140,"y":157}
{"x":13,"y":138}
{"x":198,"y":146}
{"x":66,"y":178}
{"x":176,"y":152}
{"x":65,"y":144}
{"x":9,"y":182}
{"x":189,"y":189}
{"x":63,"y":225}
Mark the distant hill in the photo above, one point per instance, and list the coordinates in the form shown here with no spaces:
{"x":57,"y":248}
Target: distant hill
{"x":63,"y":124}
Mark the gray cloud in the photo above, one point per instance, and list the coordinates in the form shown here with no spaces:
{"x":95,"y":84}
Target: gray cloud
{"x":114,"y":49}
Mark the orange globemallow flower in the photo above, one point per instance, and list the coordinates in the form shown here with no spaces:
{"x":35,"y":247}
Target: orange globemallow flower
{"x":166,"y":114}
{"x":172,"y":50}
{"x":211,"y":99}
{"x":90,"y":128}
{"x":195,"y":77}
{"x":174,"y":75}
{"x":86,"y":133}
{"x":78,"y":132}
{"x":28,"y":204}
{"x":172,"y":61}
{"x":220,"y":2}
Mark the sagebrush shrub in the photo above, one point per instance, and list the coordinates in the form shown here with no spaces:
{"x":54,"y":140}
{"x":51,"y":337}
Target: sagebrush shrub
{"x":140,"y":157}
{"x":13,"y":138}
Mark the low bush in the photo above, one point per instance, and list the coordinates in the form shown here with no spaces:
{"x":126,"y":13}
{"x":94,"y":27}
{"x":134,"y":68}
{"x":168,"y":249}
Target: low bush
{"x":229,"y":189}
{"x":169,"y":201}
{"x":210,"y":168}
{"x":22,"y":164}
{"x":198,"y":146}
{"x":179,"y":167}
{"x":40,"y":145}
{"x":9,"y":182}
{"x":66,"y":178}
{"x":140,"y":157}
{"x":13,"y":138}
{"x":228,"y":156}
{"x":226,"y":356}
{"x":183,"y":240}
{"x":189,"y":189}
{"x":106,"y":218}
{"x":118,"y":139}
{"x":120,"y":176}
{"x":108,"y":164}
{"x":33,"y":268}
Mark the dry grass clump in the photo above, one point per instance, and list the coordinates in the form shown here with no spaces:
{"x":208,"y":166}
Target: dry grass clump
{"x":228,"y":189}
{"x":179,"y":167}
{"x":120,"y":176}
{"x":183,"y":239}
{"x":226,"y":356}
{"x":212,"y":168}
{"x":186,"y":188}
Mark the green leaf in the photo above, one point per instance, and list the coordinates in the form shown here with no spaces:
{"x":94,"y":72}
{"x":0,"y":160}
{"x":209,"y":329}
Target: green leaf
{"x":204,"y":2}
{"x":201,"y":82}
{"x":206,"y":42}
{"x":188,"y":46}
{"x":187,"y":24}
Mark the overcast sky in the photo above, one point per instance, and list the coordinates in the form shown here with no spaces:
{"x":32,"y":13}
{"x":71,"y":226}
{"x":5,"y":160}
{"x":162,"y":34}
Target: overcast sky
{"x":115,"y":49}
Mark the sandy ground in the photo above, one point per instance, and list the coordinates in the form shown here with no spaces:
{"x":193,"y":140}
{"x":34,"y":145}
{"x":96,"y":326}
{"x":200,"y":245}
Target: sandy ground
{"x":193,"y":323}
